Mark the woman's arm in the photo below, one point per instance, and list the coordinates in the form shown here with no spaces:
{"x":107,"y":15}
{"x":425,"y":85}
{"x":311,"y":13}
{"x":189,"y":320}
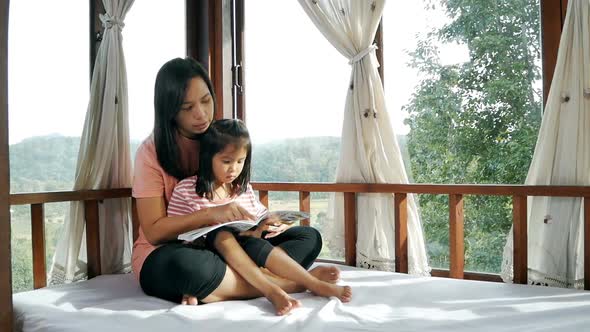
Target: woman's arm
{"x":158,"y":228}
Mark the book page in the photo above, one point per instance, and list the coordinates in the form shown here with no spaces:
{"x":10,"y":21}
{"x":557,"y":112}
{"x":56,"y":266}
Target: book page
{"x":286,"y":217}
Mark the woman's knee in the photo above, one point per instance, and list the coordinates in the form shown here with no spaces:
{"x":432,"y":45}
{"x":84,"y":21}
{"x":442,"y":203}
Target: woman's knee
{"x":310,"y":235}
{"x":302,"y":243}
{"x":256,"y":248}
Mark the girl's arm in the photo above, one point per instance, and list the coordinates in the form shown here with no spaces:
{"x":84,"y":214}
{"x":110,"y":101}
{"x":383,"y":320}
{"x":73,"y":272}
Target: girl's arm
{"x":158,"y":228}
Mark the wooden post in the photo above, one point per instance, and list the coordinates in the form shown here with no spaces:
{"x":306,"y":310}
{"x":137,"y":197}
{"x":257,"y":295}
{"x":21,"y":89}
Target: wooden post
{"x":552,"y":19}
{"x":263,"y":197}
{"x":456,"y":237}
{"x":520,"y":239}
{"x":5,"y":253}
{"x":197,"y":30}
{"x":379,"y":52}
{"x":304,"y":205}
{"x":134,"y":219}
{"x":215,"y":52}
{"x":587,"y":243}
{"x":401,"y":233}
{"x":92,"y":238}
{"x":350,"y":228}
{"x":96,"y":32}
{"x":38,"y":238}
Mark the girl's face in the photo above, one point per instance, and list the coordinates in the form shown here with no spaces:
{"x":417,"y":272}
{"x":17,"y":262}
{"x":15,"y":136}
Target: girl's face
{"x":228,"y":163}
{"x":196,"y":112}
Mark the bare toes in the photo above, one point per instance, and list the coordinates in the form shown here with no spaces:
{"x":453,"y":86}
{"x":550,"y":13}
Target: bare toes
{"x":346,"y":294}
{"x":282,"y":302}
{"x":295,"y":303}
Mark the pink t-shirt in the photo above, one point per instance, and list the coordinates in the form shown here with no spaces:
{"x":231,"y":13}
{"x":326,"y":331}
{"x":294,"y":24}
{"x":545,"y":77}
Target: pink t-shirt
{"x":186,"y":201}
{"x":150,"y":180}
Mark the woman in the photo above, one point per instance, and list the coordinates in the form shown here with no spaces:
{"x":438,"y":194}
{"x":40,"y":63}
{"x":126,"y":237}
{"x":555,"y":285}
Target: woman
{"x":184,"y":106}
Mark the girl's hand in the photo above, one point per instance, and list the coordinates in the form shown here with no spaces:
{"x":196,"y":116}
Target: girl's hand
{"x":256,"y":232}
{"x":229,"y":212}
{"x":261,"y":227}
{"x":272,"y":224}
{"x":276,"y":230}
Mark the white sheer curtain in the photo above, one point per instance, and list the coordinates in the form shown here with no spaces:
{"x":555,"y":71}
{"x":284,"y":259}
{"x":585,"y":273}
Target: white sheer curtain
{"x":562,"y":157}
{"x":369,"y":150}
{"x":103,"y":160}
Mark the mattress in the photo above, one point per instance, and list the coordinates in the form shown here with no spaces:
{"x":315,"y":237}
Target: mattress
{"x":382,"y":301}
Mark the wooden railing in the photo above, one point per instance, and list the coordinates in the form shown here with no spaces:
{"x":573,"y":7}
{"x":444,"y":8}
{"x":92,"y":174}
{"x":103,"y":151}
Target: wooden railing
{"x":519,"y":193}
{"x":91,"y":199}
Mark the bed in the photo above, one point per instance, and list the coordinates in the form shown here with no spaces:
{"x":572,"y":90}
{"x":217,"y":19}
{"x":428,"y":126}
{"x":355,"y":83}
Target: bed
{"x":382,"y":301}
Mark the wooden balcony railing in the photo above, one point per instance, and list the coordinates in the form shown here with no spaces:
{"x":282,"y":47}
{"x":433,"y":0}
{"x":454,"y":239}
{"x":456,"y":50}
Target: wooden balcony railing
{"x":91,"y":199}
{"x":519,"y":193}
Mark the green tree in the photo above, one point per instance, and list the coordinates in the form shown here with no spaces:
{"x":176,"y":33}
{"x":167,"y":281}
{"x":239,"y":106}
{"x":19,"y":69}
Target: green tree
{"x":476,"y":122}
{"x":309,"y":159}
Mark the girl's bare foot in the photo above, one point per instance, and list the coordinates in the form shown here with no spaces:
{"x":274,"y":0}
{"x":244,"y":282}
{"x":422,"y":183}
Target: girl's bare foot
{"x":282,"y":302}
{"x":329,"y":274}
{"x":322,"y":288}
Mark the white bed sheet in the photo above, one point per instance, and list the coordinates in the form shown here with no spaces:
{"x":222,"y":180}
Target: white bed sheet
{"x":382,"y":301}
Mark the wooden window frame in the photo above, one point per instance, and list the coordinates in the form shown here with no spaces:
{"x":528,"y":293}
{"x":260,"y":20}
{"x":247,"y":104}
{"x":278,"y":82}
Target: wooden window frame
{"x":204,"y":42}
{"x":5,"y":251}
{"x":552,"y":19}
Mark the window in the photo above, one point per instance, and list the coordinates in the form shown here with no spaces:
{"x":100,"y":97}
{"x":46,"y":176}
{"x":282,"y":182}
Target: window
{"x":296,"y":84}
{"x":154,"y":33}
{"x":48,"y":75}
{"x":48,"y":84}
{"x":466,"y":81}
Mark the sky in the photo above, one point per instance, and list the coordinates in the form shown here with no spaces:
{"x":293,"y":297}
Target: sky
{"x":296,"y":82}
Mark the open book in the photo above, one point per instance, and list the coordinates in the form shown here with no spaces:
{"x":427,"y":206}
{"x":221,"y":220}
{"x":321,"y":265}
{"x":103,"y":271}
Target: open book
{"x":285,"y":217}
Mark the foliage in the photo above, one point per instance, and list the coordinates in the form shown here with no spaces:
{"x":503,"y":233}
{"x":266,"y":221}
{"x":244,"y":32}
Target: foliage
{"x":309,"y":159}
{"x":476,"y":122}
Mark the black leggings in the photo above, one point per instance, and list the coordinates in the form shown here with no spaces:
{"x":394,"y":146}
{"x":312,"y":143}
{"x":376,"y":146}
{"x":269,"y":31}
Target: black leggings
{"x":177,"y":269}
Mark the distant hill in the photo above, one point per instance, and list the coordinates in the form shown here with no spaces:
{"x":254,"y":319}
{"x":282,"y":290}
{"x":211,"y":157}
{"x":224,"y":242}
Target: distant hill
{"x":48,"y":163}
{"x":310,"y":159}
{"x":45,"y":163}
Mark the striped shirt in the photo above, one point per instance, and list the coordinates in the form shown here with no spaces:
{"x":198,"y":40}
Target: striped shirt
{"x":186,"y":201}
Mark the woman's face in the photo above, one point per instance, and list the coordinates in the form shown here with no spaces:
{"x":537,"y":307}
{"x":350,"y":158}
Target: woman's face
{"x":196,"y":111}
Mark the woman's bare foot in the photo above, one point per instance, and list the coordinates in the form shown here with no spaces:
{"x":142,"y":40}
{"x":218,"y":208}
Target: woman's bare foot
{"x":282,"y":302}
{"x":189,"y":300}
{"x":329,"y":274}
{"x":322,"y":288}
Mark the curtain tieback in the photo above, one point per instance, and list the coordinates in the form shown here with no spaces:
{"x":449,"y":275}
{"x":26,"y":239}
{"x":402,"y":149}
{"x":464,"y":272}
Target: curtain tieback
{"x":110,"y":21}
{"x":360,"y":55}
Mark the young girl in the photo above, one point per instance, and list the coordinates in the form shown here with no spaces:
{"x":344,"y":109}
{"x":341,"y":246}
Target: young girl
{"x":223,"y":177}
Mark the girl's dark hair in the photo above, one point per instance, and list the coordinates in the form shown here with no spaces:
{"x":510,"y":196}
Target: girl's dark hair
{"x":223,"y":133}
{"x":170,"y":89}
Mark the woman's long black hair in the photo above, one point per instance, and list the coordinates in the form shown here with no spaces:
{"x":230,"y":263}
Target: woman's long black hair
{"x":223,"y":133}
{"x":171,"y":85}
